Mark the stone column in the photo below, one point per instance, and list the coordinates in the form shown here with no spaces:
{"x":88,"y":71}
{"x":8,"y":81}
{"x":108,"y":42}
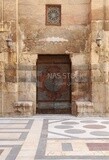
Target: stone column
{"x":27,"y":78}
{"x":81,"y":104}
{"x":10,"y":58}
{"x":99,"y":59}
{"x":74,"y":89}
{"x":107,"y":54}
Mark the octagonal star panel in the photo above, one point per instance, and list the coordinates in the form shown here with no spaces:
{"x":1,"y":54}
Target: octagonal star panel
{"x":53,"y":15}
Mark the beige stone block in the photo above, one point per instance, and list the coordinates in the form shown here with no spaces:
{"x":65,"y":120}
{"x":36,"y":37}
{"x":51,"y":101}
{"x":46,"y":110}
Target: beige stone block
{"x":84,"y":10}
{"x":106,"y":42}
{"x":80,"y":76}
{"x":84,"y":107}
{"x":28,"y":2}
{"x":1,"y":65}
{"x":99,"y":108}
{"x":98,"y":14}
{"x":78,"y":59}
{"x":0,"y":93}
{"x":2,"y":57}
{"x":22,"y":75}
{"x":46,"y":45}
{"x":52,"y":2}
{"x":97,"y":76}
{"x":97,"y":3}
{"x":28,"y":59}
{"x":9,"y":10}
{"x":10,"y":87}
{"x":79,"y":2}
{"x":27,"y":96}
{"x":94,"y":55}
{"x":107,"y":13}
{"x":53,"y":48}
{"x":31,"y":10}
{"x":97,"y":8}
{"x":74,"y":20}
{"x":97,"y":25}
{"x":77,"y":95}
{"x":107,"y":96}
{"x":107,"y":9}
{"x":98,"y":92}
{"x":2,"y":76}
{"x":63,"y":2}
{"x":104,"y":67}
{"x":1,"y":86}
{"x":0,"y":11}
{"x":10,"y":75}
{"x":8,"y":102}
{"x":26,"y":76}
{"x":106,"y":25}
{"x":28,"y":88}
{"x":23,"y":107}
{"x":34,"y":76}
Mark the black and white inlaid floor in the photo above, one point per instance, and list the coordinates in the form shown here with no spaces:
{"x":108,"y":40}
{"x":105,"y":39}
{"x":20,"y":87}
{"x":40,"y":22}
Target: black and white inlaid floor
{"x":54,"y":137}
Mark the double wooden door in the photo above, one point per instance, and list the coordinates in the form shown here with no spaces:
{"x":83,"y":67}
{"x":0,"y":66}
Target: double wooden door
{"x":53,"y":84}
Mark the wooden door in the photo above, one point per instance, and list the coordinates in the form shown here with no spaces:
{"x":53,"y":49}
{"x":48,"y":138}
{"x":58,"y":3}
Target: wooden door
{"x":53,"y":84}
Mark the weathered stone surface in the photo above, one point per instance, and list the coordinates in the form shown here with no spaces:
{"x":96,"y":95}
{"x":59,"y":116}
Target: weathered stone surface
{"x":27,"y":87}
{"x":9,"y":7}
{"x":64,"y":1}
{"x":99,"y":108}
{"x":84,"y":108}
{"x":107,"y":25}
{"x":10,"y":87}
{"x":80,"y":91}
{"x":23,"y":108}
{"x":97,"y":9}
{"x":10,"y":75}
{"x":3,"y":47}
{"x":9,"y":99}
{"x":82,"y":22}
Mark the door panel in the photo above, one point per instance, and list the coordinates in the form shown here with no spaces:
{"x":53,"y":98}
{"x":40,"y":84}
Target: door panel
{"x":53,"y":87}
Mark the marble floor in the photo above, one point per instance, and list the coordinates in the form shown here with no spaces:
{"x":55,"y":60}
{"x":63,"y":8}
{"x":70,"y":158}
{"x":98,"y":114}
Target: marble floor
{"x":55,"y":137}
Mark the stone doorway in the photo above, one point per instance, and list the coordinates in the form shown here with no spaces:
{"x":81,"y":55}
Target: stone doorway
{"x":53,"y":84}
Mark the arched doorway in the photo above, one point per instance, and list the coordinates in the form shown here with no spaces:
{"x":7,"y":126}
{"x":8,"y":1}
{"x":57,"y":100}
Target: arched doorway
{"x":53,"y":84}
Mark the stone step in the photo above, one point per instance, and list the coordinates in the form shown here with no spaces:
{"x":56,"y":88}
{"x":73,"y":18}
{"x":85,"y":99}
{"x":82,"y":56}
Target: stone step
{"x":23,"y":107}
{"x":84,"y":107}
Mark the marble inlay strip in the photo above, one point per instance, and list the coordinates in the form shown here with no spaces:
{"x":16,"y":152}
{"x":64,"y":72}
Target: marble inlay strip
{"x":13,"y":153}
{"x":98,"y":146}
{"x":28,"y":150}
{"x":43,"y":140}
{"x":74,"y":158}
{"x":12,"y":126}
{"x":67,"y":147}
{"x":29,"y":124}
{"x":9,"y":136}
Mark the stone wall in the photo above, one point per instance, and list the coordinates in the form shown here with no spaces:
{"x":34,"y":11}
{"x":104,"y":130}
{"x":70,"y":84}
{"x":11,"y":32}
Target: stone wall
{"x":8,"y":72}
{"x":99,"y":56}
{"x":82,"y":20}
{"x":70,"y":38}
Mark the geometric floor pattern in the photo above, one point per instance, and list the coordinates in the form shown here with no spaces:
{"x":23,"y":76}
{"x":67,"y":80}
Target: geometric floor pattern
{"x":54,"y":137}
{"x":76,"y":139}
{"x":78,"y":129}
{"x":13,"y":133}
